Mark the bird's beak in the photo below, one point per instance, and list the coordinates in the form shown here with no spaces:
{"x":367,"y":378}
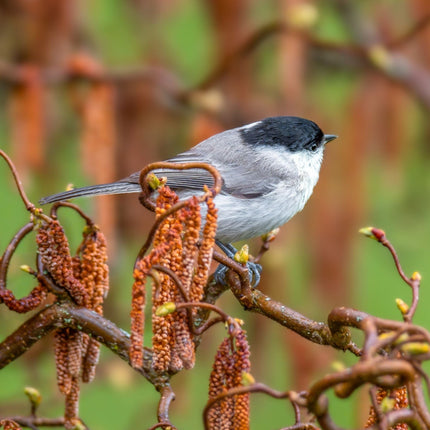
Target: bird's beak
{"x":329,"y":138}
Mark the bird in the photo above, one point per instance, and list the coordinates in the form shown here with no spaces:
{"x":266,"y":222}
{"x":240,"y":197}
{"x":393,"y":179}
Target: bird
{"x":269,"y":169}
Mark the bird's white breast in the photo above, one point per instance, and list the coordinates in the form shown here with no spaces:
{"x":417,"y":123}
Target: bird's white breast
{"x":243,"y":218}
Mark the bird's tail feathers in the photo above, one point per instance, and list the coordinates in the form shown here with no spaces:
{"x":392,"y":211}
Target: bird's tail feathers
{"x":93,"y":190}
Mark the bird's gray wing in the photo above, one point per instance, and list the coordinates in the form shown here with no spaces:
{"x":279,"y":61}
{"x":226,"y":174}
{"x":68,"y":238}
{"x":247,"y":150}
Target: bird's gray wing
{"x":192,"y":181}
{"x":241,"y":176}
{"x":240,"y":170}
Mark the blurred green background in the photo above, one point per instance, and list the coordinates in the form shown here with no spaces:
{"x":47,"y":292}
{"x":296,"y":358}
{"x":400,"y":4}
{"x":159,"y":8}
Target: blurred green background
{"x":353,"y":67}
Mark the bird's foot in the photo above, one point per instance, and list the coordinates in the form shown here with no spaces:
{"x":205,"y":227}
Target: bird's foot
{"x":254,"y":273}
{"x":254,"y":269}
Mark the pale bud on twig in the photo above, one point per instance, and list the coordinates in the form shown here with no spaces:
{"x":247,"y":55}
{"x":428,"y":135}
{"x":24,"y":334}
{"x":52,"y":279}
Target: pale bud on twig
{"x":240,"y":321}
{"x":302,"y":16}
{"x":78,"y":425}
{"x":390,"y":334}
{"x":387,"y":404}
{"x":25,"y":268}
{"x":338,"y":366}
{"x":416,"y":276}
{"x":247,"y":379}
{"x":372,"y":232}
{"x":403,"y":307}
{"x":154,"y":181}
{"x":380,"y":57}
{"x":242,"y":256}
{"x":271,"y":235}
{"x":416,"y":348}
{"x":33,"y":395}
{"x":165,"y":309}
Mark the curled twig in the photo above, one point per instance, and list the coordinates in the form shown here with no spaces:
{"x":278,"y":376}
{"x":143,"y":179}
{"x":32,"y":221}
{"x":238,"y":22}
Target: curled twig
{"x":147,"y":191}
{"x":77,"y":209}
{"x":253,"y":388}
{"x":44,"y":277}
{"x":233,"y":324}
{"x":10,"y":249}
{"x":371,"y":371}
{"x":174,"y":277}
{"x":34,"y":298}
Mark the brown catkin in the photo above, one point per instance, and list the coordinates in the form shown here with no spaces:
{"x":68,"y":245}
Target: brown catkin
{"x":71,"y":410}
{"x":75,"y":345}
{"x":181,"y":263}
{"x":137,"y":314}
{"x":94,"y":271}
{"x":140,"y":272}
{"x":86,"y":277}
{"x":175,"y":247}
{"x":54,"y":251}
{"x":217,"y":383}
{"x":64,"y":379}
{"x":160,"y":339}
{"x":90,"y":360}
{"x":205,"y":253}
{"x":242,"y":364}
{"x":162,"y":327}
{"x":232,"y":412}
{"x":191,"y":218}
{"x":94,"y":275}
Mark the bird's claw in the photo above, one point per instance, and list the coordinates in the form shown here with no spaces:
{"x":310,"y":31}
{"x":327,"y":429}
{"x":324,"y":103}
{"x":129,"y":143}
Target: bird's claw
{"x":254,"y":273}
{"x":254,"y":269}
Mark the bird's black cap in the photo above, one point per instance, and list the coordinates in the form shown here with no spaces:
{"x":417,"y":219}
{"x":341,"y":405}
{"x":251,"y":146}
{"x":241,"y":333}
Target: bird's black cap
{"x":292,"y":132}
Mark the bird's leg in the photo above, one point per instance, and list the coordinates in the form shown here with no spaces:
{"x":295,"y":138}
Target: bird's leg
{"x":229,"y":250}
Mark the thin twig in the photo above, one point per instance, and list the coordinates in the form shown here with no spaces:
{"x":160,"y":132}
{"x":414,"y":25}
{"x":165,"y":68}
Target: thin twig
{"x":166,"y":398}
{"x":44,"y":277}
{"x":223,"y":315}
{"x":57,"y":205}
{"x":197,"y":331}
{"x":174,"y":278}
{"x":9,"y":251}
{"x":28,"y":205}
{"x":414,"y":283}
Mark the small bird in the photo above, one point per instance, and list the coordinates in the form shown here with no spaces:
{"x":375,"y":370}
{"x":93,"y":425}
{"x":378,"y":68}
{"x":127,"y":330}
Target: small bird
{"x":269,"y":169}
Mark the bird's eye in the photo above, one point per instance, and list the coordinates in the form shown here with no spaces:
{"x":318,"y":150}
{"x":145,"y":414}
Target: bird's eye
{"x":314,"y":147}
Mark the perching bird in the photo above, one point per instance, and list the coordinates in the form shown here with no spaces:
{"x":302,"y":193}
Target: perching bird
{"x":269,"y":169}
